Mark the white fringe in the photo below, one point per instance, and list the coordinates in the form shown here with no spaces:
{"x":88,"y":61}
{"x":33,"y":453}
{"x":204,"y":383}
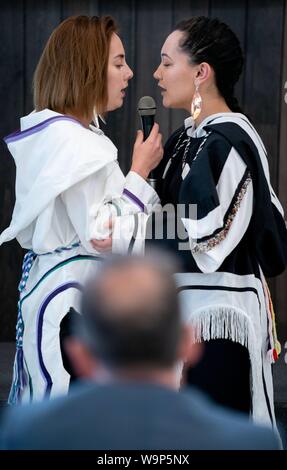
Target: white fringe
{"x":226,"y":322}
{"x":221,"y":321}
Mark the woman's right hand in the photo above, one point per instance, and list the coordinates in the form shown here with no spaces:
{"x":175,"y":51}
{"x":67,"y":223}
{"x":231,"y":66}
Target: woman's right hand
{"x":147,"y":153}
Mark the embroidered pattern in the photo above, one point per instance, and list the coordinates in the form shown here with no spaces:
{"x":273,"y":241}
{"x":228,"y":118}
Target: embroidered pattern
{"x":207,"y":245}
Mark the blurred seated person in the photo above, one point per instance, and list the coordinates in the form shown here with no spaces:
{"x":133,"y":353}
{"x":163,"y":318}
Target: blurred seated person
{"x":126,"y":349}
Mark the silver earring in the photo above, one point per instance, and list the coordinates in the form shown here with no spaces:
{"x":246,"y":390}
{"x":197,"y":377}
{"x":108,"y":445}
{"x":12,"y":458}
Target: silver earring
{"x":96,"y":118}
{"x":102,"y":119}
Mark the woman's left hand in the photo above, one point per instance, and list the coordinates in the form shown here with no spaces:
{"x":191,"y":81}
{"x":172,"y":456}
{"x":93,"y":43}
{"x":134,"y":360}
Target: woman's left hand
{"x":102,"y":246}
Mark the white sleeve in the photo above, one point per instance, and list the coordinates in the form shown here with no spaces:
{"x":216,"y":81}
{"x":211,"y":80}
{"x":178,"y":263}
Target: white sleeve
{"x":129,"y":233}
{"x":209,"y":255}
{"x":213,"y":237}
{"x":104,"y":195}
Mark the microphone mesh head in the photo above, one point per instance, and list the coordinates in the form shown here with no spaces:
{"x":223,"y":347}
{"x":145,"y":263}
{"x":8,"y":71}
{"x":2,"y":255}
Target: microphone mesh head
{"x":146,"y":106}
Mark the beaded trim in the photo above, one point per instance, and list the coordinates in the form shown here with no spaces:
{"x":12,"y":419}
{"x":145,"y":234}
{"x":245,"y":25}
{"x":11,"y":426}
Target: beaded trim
{"x":179,"y":144}
{"x":203,"y":247}
{"x":185,"y":142}
{"x":30,"y":257}
{"x":197,"y":153}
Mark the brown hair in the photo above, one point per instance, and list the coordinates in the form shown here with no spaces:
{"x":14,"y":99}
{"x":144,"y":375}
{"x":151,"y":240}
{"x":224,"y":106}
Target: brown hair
{"x":71,"y":75}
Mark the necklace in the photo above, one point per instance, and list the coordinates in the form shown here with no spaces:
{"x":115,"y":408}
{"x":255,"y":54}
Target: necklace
{"x":183,"y":163}
{"x":179,"y":145}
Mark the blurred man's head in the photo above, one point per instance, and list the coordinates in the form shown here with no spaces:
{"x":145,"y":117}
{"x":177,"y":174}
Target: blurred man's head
{"x":131,"y":318}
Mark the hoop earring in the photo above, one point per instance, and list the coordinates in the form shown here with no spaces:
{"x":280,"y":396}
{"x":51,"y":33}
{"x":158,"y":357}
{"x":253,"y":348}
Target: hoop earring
{"x":196,"y":104}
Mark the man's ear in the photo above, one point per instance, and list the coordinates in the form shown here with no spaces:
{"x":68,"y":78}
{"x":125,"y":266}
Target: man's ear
{"x":83,"y":362}
{"x":189,"y":352}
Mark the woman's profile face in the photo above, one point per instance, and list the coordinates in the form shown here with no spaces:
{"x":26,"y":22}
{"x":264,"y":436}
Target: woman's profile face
{"x":118,"y":75}
{"x":175,"y":74}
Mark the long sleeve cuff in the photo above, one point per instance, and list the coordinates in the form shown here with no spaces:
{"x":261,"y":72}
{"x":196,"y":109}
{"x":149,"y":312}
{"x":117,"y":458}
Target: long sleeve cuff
{"x":129,"y":233}
{"x":140,"y":193}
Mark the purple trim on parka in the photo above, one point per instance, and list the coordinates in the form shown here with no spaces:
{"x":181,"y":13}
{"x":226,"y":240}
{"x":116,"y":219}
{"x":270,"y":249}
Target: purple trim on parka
{"x":43,"y":308}
{"x":32,"y":130}
{"x":135,"y":199}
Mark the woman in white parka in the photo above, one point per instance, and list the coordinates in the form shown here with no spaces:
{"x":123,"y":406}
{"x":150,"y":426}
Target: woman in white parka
{"x":68,"y":185}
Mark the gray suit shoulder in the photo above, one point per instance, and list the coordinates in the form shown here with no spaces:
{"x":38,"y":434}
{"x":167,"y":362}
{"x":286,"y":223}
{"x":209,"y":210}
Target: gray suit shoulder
{"x":132,"y":416}
{"x":230,"y":429}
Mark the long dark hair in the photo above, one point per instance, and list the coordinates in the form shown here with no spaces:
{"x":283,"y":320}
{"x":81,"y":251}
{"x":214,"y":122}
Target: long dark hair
{"x":212,"y":41}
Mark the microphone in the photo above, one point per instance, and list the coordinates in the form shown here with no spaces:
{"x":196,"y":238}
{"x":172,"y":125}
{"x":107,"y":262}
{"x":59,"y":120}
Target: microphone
{"x":147,"y":109}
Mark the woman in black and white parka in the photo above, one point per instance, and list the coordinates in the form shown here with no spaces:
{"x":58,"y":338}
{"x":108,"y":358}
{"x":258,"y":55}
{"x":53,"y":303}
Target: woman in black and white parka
{"x":217,"y":163}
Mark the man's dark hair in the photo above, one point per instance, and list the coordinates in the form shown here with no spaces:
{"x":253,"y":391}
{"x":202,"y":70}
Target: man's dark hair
{"x":139,"y":331}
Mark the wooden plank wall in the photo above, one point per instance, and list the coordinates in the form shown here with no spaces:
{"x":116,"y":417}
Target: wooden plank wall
{"x":25,"y":26}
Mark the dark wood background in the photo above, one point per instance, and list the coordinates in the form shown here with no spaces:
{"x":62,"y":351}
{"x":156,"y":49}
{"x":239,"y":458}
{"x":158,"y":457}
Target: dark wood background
{"x":26,"y":25}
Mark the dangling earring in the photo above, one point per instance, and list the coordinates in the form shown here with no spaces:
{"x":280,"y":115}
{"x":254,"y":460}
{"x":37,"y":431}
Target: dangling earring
{"x":102,"y":119}
{"x":96,"y":118}
{"x":196,"y":103}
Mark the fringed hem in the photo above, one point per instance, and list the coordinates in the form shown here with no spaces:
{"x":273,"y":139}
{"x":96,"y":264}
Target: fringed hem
{"x":223,"y":321}
{"x":226,"y":322}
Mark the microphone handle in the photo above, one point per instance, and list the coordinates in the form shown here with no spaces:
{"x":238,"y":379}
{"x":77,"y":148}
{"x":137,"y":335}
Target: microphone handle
{"x":147,"y":125}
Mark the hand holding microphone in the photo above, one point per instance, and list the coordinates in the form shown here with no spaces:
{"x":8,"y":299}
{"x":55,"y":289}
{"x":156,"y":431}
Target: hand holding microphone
{"x":147,"y":109}
{"x":148,"y":150}
{"x":147,"y":154}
